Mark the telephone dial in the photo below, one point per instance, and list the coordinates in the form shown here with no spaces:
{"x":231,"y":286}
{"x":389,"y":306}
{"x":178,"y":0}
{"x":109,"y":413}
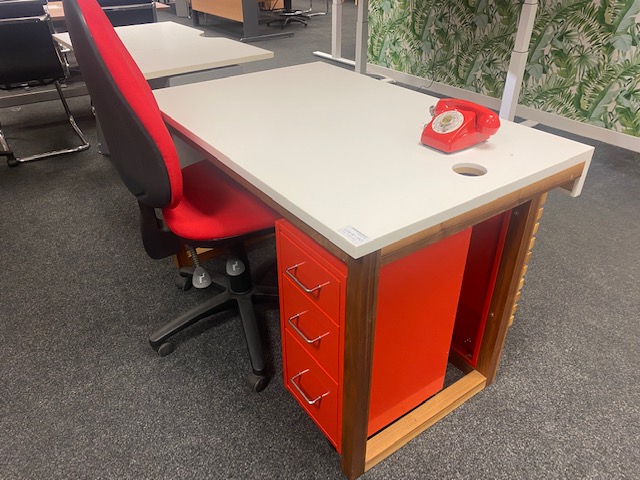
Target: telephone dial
{"x":459,"y":124}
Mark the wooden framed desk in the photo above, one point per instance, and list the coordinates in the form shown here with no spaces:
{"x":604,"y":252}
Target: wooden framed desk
{"x":353,"y":176}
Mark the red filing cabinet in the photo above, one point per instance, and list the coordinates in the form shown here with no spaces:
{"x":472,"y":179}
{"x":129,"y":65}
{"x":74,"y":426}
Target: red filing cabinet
{"x":312,"y":297}
{"x":417,"y":302}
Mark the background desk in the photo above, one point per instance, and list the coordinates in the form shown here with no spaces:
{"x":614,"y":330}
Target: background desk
{"x":245,"y":11}
{"x":355,"y":178}
{"x":175,"y":52}
{"x":168,"y":54}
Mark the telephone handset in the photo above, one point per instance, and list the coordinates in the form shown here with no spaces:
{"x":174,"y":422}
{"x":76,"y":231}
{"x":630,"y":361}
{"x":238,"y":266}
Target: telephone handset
{"x":459,"y":124}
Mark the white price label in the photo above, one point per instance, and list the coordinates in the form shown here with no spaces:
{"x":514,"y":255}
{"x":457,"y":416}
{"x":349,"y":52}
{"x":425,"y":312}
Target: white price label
{"x":354,"y":236}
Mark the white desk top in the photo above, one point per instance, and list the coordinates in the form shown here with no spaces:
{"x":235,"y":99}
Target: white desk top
{"x":338,"y":149}
{"x":164,"y":49}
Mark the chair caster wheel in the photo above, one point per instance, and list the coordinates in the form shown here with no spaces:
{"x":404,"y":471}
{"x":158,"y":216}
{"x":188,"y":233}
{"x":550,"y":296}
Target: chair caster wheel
{"x":11,"y":161}
{"x":165,"y":349}
{"x":257,"y":382}
{"x":183,"y":283}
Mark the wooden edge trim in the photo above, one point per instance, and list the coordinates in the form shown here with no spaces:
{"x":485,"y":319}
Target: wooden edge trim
{"x":509,"y":281}
{"x":318,"y":238}
{"x":569,"y":186}
{"x":527,"y":258}
{"x":359,"y":332}
{"x":411,"y":425}
{"x":438,"y":232}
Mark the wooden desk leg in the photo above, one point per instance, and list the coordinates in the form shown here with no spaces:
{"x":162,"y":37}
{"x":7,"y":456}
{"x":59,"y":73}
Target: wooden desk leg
{"x":522,"y":227}
{"x":362,"y":289}
{"x":527,"y":258}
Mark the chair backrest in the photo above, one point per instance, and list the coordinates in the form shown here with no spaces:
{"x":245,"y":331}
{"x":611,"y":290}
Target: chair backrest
{"x":139,"y":143}
{"x":28,"y":53}
{"x":129,"y":12}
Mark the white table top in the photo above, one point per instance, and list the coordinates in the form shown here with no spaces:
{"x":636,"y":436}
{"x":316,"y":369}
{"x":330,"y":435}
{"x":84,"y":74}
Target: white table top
{"x":338,"y":149}
{"x":164,"y":49}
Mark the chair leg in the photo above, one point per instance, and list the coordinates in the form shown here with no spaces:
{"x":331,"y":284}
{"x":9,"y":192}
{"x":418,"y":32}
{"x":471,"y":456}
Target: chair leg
{"x":310,"y":13}
{"x":159,"y":339}
{"x":5,"y":151}
{"x":287,"y":16}
{"x":253,"y":338}
{"x":40,"y":156}
{"x":239,"y":288}
{"x":288,"y":19}
{"x":264,"y":291}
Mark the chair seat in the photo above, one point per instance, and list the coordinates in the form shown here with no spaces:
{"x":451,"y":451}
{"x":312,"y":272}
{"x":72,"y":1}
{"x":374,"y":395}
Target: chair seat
{"x":213,"y":206}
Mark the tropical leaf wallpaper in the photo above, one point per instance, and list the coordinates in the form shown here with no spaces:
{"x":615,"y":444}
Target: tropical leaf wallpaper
{"x":584,"y":56}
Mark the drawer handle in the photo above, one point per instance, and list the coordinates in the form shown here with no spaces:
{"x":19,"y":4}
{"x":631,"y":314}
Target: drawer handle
{"x":299,"y":283}
{"x":307,"y":399}
{"x":299,"y":332}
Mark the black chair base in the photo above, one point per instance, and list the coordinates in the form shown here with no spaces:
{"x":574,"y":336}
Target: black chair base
{"x":288,"y":17}
{"x":310,"y":13}
{"x":13,"y":161}
{"x":238,"y":290}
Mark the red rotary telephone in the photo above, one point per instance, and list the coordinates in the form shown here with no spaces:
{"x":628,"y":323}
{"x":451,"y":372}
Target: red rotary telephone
{"x":459,"y":124}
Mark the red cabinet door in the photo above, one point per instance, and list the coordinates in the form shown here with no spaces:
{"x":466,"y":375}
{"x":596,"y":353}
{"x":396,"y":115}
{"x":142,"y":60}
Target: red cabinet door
{"x":417,"y":302}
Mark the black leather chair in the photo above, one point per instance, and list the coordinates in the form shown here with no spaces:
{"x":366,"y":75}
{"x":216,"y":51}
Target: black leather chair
{"x":129,"y":12}
{"x":201,"y":207}
{"x":30,"y":56}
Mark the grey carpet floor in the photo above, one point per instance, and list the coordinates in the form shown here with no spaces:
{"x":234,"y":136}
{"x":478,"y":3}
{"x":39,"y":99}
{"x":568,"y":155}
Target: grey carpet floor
{"x":82,"y":395}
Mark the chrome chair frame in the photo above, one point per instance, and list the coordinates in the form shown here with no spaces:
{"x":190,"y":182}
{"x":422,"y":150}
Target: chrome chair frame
{"x":5,"y":150}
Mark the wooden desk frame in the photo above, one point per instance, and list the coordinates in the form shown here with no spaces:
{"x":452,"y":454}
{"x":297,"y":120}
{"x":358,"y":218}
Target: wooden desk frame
{"x":360,"y":453}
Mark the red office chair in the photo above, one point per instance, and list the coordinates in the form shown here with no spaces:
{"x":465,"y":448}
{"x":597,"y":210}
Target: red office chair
{"x":200,"y":205}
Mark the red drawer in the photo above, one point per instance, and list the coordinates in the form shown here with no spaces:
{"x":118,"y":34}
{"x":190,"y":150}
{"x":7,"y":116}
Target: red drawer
{"x":312,"y":387}
{"x":309,"y":275}
{"x":319,"y":336}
